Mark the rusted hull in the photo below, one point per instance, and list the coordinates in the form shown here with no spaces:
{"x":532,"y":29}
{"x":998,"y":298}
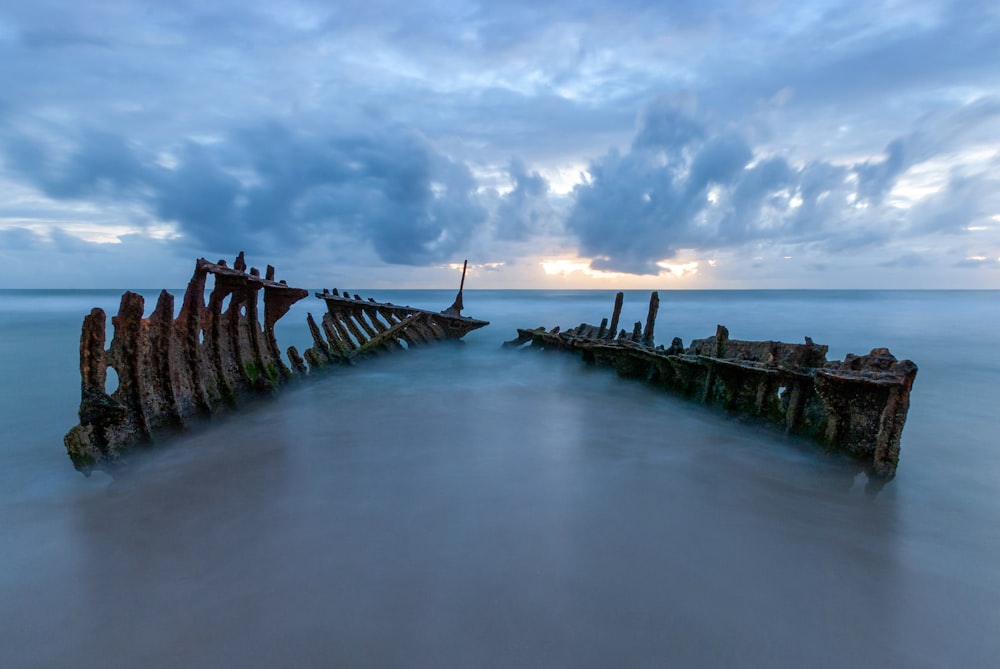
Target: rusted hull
{"x":858,"y":405}
{"x":215,"y":355}
{"x":354,"y":327}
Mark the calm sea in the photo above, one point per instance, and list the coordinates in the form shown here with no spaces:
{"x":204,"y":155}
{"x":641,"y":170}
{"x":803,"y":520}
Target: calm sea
{"x":472,"y":507}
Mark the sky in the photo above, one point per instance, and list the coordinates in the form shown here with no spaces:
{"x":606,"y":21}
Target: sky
{"x":593,"y":144}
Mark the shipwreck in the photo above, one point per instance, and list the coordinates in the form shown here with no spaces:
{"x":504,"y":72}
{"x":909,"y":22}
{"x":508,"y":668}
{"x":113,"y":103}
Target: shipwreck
{"x":215,"y":355}
{"x":857,"y":405}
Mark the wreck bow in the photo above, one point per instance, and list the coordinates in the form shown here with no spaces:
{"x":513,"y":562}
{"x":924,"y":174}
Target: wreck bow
{"x":212,"y":356}
{"x":858,"y":405}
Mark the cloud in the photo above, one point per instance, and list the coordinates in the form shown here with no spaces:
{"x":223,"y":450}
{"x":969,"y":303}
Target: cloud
{"x":54,"y":39}
{"x":978,"y":262}
{"x":754,"y":194}
{"x":201,"y":197}
{"x":686,"y":184}
{"x":846,"y":61}
{"x":907,"y":260}
{"x":967,"y":200}
{"x":268,"y":187}
{"x":59,"y":260}
{"x":875,"y":179}
{"x":668,"y":124}
{"x":642,"y":206}
{"x":17,"y":240}
{"x":526,"y":210}
{"x":100,"y":164}
{"x":935,"y":133}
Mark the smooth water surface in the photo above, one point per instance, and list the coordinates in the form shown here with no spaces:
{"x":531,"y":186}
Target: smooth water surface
{"x":471,"y":507}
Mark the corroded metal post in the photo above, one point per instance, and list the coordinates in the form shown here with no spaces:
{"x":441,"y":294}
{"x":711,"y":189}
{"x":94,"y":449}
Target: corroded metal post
{"x":456,"y":308}
{"x":654,"y":306}
{"x":615,"y":315}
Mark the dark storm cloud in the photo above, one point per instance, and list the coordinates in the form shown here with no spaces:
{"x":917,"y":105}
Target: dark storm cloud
{"x":751,"y":194}
{"x":877,"y":178}
{"x":269,"y":186}
{"x":685,"y":184}
{"x":526,"y":210}
{"x":643,"y":206}
{"x":667,"y":125}
{"x":201,"y":197}
{"x":100,"y":164}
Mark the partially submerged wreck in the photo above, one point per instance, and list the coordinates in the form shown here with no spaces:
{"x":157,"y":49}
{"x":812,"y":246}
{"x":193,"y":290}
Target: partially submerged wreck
{"x":355,"y":327}
{"x":217,"y":354}
{"x":857,"y":405}
{"x":214,"y":355}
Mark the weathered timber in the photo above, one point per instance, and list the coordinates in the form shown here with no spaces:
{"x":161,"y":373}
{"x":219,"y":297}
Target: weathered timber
{"x":356,"y":327}
{"x":212,"y":356}
{"x":857,"y":406}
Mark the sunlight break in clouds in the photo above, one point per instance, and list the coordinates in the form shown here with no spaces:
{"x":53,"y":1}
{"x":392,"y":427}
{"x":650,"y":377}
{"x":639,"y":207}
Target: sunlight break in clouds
{"x":584,"y":266}
{"x":477,"y":266}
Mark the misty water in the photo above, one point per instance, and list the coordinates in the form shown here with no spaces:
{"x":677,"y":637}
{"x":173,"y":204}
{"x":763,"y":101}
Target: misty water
{"x":472,"y":507}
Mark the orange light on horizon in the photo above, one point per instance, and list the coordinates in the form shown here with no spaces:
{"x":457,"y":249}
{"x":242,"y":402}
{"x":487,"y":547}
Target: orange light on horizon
{"x":568,"y":266}
{"x":480,"y":265}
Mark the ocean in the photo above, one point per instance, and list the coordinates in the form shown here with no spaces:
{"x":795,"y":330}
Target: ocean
{"x":467,"y":506}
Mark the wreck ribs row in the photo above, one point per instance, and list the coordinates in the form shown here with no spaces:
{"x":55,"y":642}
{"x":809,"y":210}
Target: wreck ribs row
{"x":174,"y":370}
